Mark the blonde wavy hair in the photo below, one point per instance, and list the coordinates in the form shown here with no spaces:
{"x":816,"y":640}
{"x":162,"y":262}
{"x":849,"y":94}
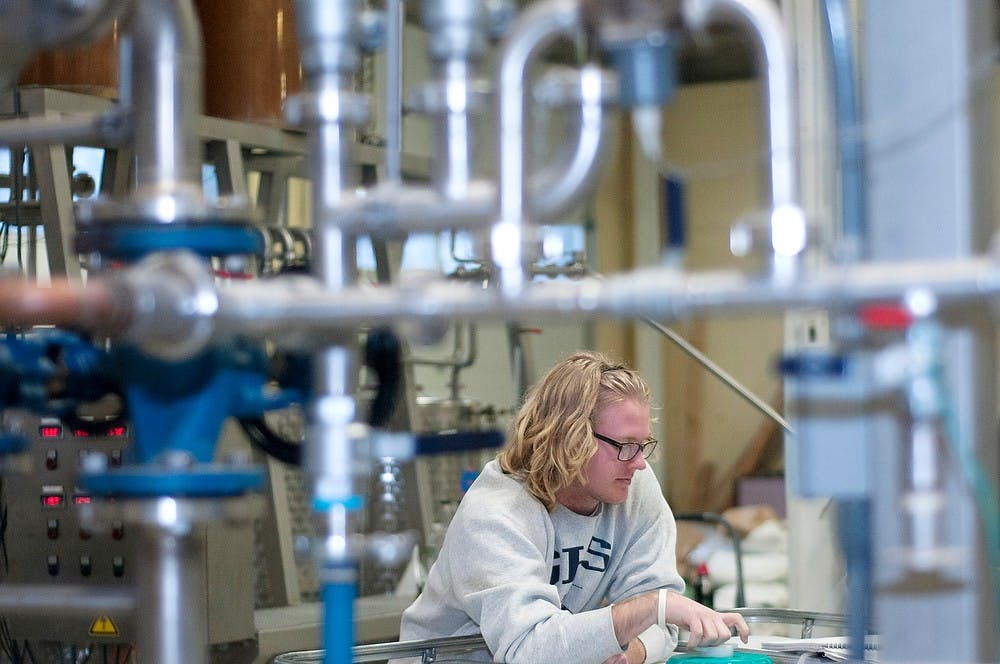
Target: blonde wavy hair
{"x":552,"y":437}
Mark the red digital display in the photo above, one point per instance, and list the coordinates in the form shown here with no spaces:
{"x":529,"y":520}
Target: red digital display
{"x":50,"y":431}
{"x":81,"y":433}
{"x":52,"y":500}
{"x":81,"y":500}
{"x":117,"y":431}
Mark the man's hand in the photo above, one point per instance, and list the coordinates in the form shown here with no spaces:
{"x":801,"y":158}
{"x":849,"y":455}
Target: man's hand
{"x":706,"y":627}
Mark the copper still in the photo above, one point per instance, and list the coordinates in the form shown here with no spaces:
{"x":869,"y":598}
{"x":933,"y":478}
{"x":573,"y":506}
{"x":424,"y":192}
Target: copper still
{"x":90,"y":69}
{"x":252,"y":61}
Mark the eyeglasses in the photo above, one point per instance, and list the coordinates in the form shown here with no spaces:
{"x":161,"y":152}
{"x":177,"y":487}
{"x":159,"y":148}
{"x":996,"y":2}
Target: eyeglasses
{"x":628,"y":451}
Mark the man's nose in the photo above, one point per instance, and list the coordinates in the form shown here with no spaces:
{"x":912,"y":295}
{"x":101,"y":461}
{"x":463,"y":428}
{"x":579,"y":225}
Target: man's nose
{"x":638,"y":461}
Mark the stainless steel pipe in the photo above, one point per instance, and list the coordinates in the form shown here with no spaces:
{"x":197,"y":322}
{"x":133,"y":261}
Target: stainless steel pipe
{"x":558,"y":188}
{"x":172,"y":595}
{"x":305,"y":306}
{"x":162,"y":78}
{"x":111,"y":128}
{"x":81,"y":601}
{"x":662,"y":294}
{"x":787,"y":220}
{"x":456,"y":44}
{"x":538,"y":27}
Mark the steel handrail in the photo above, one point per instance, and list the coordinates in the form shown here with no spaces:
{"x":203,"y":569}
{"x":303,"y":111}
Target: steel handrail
{"x":429,"y":649}
{"x":809,"y":619}
{"x":422,"y":648}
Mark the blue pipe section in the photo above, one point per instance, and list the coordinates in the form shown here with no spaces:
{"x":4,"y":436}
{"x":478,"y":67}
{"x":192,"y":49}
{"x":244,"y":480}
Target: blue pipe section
{"x":854,"y":225}
{"x":854,"y":525}
{"x":674,"y":206}
{"x":183,"y":405}
{"x":338,"y":592}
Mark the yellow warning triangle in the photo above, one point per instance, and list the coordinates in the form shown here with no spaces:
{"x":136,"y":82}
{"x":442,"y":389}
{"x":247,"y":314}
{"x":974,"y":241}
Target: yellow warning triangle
{"x":103,"y":626}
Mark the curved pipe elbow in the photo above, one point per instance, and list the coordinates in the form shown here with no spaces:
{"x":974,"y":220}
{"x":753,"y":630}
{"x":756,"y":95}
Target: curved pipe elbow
{"x":787,"y":220}
{"x":559,"y":188}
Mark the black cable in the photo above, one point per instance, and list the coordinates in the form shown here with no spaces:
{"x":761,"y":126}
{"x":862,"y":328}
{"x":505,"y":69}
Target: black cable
{"x":270,"y":442}
{"x":8,"y":644}
{"x":3,"y":539}
{"x":4,"y":645}
{"x":383,"y":354}
{"x":4,"y":240}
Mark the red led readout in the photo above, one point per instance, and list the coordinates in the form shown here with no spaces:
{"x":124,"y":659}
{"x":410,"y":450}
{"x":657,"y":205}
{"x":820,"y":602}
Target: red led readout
{"x":81,"y":500}
{"x":50,"y":431}
{"x":52,"y":500}
{"x":116,"y":431}
{"x":81,"y":433}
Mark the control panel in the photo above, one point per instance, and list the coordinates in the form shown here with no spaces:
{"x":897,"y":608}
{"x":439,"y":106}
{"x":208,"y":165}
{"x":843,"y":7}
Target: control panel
{"x":48,"y":546}
{"x":45,"y":541}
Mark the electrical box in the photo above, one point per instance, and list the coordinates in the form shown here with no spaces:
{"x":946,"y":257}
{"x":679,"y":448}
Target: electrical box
{"x":46,"y":545}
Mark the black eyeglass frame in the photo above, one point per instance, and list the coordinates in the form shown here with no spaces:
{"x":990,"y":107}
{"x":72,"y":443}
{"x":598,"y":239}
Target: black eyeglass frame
{"x":646,"y":448}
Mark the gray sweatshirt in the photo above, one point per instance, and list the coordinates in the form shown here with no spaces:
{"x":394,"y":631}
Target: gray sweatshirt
{"x":539,"y":586}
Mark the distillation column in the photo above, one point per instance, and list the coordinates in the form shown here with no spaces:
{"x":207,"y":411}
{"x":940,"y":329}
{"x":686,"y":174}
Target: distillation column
{"x":927,"y":131}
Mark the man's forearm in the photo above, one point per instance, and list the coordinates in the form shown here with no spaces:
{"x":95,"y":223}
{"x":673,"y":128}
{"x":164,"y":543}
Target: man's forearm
{"x":633,"y":616}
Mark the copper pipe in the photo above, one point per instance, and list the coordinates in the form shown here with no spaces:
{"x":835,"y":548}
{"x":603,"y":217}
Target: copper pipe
{"x":96,"y":307}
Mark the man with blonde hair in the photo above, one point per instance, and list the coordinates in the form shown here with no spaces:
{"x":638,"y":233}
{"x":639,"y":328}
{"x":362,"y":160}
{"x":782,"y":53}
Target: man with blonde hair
{"x":563,"y":550}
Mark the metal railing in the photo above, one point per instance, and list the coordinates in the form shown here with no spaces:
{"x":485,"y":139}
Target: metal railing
{"x":427,"y":649}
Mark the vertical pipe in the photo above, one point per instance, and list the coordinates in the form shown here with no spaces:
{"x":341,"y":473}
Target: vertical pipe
{"x":339,"y":590}
{"x":453,"y":164}
{"x":331,"y":173}
{"x":854,"y":526}
{"x":395,"y":11}
{"x":836,"y":17}
{"x":457,"y":41}
{"x":328,"y":35}
{"x":162,"y":72}
{"x":172,"y":596}
{"x":538,"y":27}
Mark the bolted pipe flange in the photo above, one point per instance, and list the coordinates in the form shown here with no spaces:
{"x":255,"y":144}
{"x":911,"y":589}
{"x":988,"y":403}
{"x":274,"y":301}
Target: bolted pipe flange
{"x":327,"y":107}
{"x":435,"y":98}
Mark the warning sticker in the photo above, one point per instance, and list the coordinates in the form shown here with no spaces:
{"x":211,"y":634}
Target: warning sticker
{"x":103,"y":626}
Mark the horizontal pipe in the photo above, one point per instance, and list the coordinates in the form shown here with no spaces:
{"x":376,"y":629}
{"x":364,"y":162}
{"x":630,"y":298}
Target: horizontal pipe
{"x":79,"y":601}
{"x":660,"y":293}
{"x":300,"y":303}
{"x":110,"y":128}
{"x":96,"y":307}
{"x":392,"y":210}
